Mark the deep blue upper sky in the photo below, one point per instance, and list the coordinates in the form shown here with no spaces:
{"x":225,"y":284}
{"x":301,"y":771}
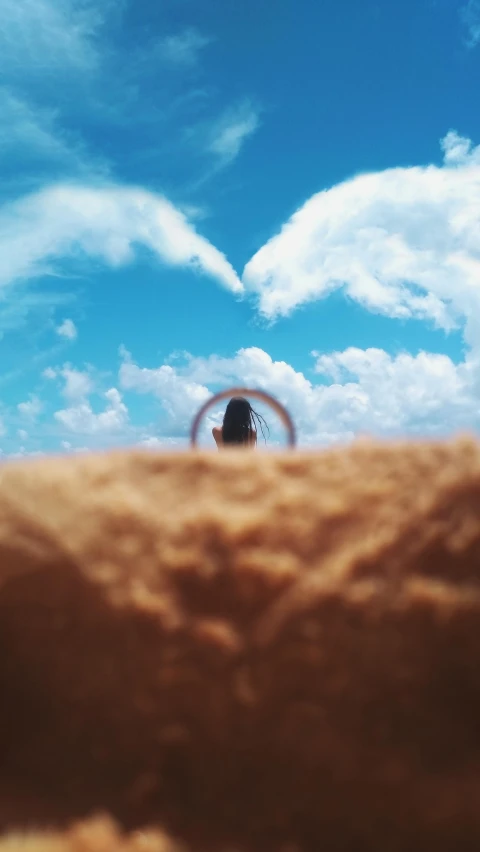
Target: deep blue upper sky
{"x":237,"y":113}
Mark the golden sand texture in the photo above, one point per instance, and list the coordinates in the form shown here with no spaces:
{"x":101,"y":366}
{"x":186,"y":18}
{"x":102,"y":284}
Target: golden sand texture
{"x":96,"y":835}
{"x":250,"y":651}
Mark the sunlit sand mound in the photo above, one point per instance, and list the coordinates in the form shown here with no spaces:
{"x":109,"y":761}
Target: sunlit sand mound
{"x":247,"y":652}
{"x":96,"y":835}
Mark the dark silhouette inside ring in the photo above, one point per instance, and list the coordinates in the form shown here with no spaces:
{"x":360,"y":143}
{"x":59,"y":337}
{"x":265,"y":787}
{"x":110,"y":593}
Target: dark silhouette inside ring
{"x":240,"y":425}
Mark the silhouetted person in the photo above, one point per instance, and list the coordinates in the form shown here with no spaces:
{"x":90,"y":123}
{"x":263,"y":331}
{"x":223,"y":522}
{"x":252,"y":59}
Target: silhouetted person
{"x":239,"y":425}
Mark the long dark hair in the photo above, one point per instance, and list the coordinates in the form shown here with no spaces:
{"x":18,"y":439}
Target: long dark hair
{"x":239,"y":422}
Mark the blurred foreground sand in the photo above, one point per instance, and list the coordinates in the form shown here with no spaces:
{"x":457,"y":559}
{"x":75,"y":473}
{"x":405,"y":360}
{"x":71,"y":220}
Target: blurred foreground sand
{"x":249,"y":652}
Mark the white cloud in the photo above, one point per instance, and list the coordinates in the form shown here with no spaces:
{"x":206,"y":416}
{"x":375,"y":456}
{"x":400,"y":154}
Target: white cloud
{"x":22,"y":453}
{"x":80,"y":419}
{"x":344,"y":394}
{"x":107,"y":223}
{"x":459,"y":151}
{"x":67,"y":447}
{"x":232,"y":130}
{"x":424,"y":394}
{"x":32,"y":408}
{"x":67,"y":329}
{"x":178,"y":396}
{"x":404,"y":243}
{"x":356,"y":392}
{"x":152,"y":442}
{"x":46,"y":36}
{"x":182,"y":48}
{"x":78,"y":384}
{"x":471,"y":19}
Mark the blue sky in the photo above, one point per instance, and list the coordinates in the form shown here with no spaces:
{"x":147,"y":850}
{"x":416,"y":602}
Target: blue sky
{"x":197,"y":195}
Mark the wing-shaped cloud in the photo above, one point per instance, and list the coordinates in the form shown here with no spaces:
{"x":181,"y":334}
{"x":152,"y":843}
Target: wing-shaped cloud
{"x":106,"y":223}
{"x":403,"y":242}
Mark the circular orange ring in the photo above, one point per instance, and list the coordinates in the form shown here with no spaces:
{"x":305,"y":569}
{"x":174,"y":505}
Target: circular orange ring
{"x":262,"y":396}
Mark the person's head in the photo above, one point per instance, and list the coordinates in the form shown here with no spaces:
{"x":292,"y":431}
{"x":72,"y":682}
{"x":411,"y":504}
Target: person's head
{"x":240,"y":421}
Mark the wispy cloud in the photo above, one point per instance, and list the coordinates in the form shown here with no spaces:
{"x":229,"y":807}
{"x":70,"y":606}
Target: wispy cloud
{"x":52,"y":53}
{"x":45,"y":36}
{"x":403,"y":243}
{"x":65,"y":52}
{"x":470,"y":15}
{"x":24,"y":126}
{"x":34,"y":145}
{"x":183,"y":48}
{"x":230,"y":133}
{"x":29,"y":300}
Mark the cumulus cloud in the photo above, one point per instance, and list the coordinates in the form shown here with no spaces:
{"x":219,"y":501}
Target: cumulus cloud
{"x":230,"y":133}
{"x":77,"y":385}
{"x":178,"y":395}
{"x":426,"y":394}
{"x":404,"y":243}
{"x":32,"y":408}
{"x":105,"y":223}
{"x":80,"y":418}
{"x":459,"y":151}
{"x":67,"y":329}
{"x":22,"y":453}
{"x":345,"y":394}
{"x":355,"y":392}
{"x":152,"y":442}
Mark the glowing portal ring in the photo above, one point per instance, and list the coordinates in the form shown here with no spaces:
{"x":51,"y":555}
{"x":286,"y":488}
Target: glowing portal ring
{"x":262,"y":396}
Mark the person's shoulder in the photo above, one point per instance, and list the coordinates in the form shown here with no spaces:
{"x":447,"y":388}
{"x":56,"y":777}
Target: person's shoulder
{"x":217,"y":434}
